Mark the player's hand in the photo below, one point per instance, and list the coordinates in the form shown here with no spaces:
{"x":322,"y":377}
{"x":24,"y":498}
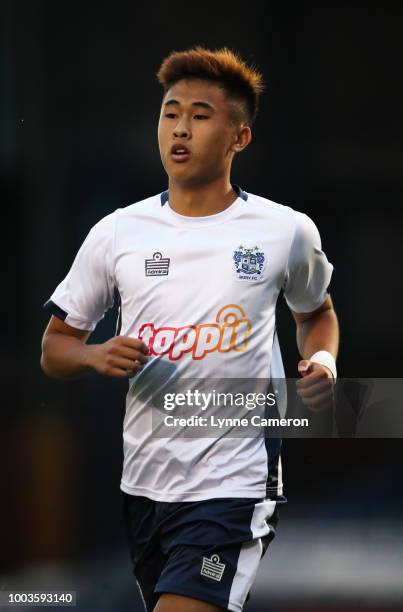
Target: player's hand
{"x":316,"y":387}
{"x":120,"y":356}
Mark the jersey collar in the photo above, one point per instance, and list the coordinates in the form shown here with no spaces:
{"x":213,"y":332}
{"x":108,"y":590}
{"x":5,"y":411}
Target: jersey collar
{"x":241,"y":194}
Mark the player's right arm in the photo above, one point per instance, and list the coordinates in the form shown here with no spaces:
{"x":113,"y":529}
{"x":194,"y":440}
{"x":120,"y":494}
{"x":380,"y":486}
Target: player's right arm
{"x":66,"y":355}
{"x":78,"y":304}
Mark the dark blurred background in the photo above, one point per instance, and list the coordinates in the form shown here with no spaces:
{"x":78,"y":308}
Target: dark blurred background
{"x":79,"y":109}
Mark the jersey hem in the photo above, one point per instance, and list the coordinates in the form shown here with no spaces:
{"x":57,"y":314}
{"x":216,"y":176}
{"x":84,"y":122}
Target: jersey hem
{"x":195,"y":496}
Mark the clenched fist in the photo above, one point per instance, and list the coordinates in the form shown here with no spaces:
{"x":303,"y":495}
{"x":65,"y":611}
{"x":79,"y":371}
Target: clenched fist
{"x":316,"y":387}
{"x":120,"y":356}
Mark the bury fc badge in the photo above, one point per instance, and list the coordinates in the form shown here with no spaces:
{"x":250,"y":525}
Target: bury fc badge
{"x":249,"y":263}
{"x":157,"y":266}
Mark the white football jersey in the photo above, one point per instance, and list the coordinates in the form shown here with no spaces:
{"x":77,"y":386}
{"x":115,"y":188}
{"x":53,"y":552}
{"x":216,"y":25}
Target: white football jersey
{"x":201,"y":292}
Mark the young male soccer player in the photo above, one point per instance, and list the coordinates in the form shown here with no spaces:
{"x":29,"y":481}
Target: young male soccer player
{"x":198,"y":269}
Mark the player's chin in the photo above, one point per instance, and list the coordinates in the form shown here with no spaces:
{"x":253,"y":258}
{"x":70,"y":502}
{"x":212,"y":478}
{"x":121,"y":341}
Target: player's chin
{"x":185,"y":174}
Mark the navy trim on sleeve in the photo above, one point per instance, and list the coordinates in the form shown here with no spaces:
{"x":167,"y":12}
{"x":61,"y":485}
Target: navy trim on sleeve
{"x":55,"y":310}
{"x":119,"y":319}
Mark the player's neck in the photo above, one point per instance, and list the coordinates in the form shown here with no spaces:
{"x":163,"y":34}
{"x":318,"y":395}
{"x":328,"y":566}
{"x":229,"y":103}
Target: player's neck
{"x":201,"y":200}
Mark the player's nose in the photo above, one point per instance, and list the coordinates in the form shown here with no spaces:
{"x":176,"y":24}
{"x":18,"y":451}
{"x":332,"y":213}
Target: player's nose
{"x":181,"y":131}
{"x":181,"y":134}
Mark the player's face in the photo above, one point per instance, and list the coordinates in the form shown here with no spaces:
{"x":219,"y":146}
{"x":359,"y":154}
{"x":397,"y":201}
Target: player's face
{"x":196,"y":132}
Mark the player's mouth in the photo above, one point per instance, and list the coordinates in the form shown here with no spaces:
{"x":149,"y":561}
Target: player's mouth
{"x":180,"y":153}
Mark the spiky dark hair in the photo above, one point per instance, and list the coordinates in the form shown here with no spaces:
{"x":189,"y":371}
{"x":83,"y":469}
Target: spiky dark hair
{"x":242,"y":83}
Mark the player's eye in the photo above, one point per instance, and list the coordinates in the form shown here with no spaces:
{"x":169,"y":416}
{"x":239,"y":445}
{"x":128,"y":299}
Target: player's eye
{"x":201,"y":117}
{"x":170,"y":115}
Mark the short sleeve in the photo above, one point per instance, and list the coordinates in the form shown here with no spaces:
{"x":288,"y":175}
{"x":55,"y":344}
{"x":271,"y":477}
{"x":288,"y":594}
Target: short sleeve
{"x":308,"y":271}
{"x":87,"y":292}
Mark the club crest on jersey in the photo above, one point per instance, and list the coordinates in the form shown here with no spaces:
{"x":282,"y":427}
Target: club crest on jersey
{"x":157,"y":266}
{"x":249,"y":263}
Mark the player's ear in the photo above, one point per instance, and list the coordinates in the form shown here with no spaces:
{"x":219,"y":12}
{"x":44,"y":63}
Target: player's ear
{"x":242,"y":138}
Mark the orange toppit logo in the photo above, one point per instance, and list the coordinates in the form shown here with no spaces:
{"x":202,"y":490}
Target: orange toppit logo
{"x":230,"y":332}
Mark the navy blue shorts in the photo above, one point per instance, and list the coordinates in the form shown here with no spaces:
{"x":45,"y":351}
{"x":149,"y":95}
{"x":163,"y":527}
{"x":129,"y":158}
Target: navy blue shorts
{"x":208,"y":550}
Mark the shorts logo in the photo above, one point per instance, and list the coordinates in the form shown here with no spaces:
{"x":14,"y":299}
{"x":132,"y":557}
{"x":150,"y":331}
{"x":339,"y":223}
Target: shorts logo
{"x":249,"y":263}
{"x":157,"y":266}
{"x":212,"y":568}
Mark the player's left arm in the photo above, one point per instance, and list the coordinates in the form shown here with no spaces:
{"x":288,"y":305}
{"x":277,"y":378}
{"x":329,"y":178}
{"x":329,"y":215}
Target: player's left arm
{"x":317,"y":331}
{"x":306,"y":282}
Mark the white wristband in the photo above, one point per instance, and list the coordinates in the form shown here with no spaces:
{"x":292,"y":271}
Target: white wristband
{"x":326,"y":359}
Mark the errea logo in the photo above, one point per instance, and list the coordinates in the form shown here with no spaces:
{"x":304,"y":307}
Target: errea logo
{"x":212,"y":568}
